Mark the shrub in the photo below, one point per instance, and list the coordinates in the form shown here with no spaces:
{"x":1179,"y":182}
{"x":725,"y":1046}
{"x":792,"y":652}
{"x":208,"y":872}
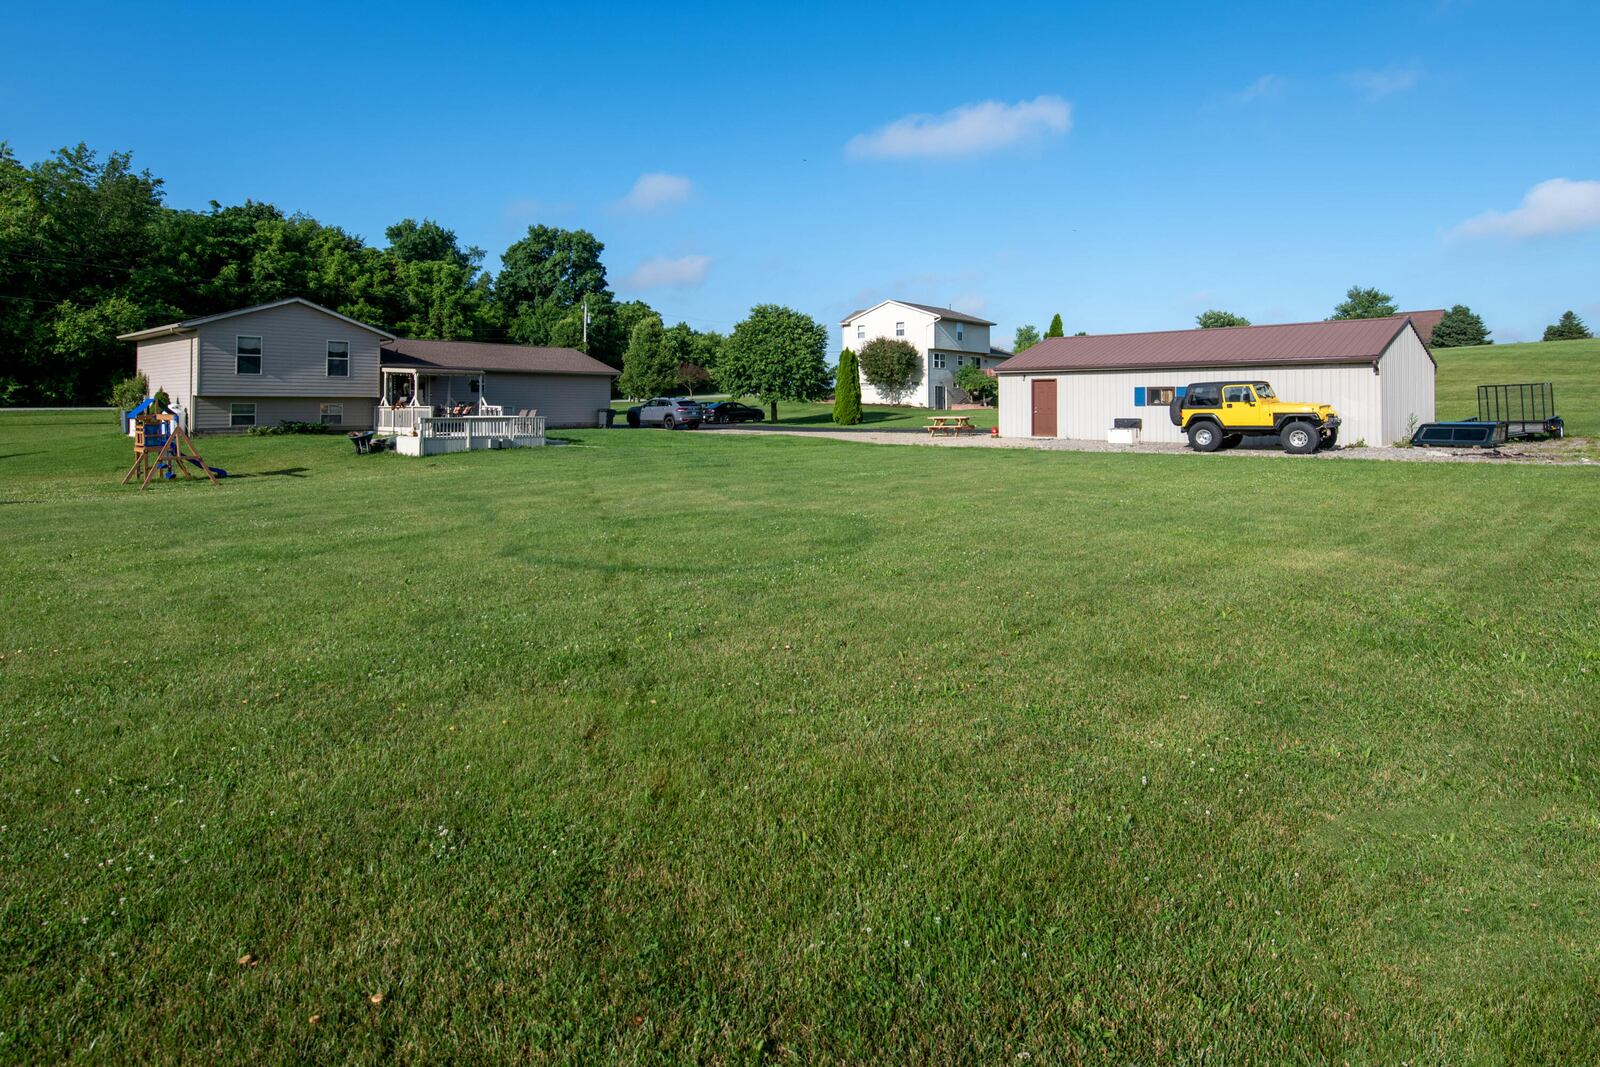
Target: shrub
{"x":982,"y":388}
{"x":126,"y":394}
{"x":290,"y":426}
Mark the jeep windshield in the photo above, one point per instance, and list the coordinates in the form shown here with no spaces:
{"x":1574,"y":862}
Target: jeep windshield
{"x":1264,"y":391}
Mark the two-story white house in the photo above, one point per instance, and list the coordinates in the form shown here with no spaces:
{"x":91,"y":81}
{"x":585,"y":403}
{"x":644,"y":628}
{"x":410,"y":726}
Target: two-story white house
{"x":947,"y":339}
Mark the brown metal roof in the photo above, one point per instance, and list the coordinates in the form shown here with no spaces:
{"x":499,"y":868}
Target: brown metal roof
{"x":1424,"y":321}
{"x":1345,"y":341}
{"x":485,"y":356}
{"x":943,"y":313}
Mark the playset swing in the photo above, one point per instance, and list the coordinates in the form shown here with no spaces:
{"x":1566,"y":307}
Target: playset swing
{"x":160,"y":445}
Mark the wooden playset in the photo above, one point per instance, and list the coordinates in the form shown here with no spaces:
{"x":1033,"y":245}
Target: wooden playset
{"x":160,"y":445}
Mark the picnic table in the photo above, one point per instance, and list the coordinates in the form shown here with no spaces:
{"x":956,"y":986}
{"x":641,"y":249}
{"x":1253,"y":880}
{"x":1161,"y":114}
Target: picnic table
{"x":950,"y":424}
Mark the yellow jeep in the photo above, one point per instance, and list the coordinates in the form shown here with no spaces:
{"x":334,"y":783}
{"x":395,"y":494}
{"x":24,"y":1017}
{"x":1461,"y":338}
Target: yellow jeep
{"x":1222,"y":414}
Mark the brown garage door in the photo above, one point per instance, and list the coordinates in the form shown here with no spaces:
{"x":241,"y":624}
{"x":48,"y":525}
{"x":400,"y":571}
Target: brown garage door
{"x":1044,"y":408}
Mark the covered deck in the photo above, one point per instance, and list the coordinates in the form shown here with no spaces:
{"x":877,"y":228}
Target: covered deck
{"x":430,"y":414}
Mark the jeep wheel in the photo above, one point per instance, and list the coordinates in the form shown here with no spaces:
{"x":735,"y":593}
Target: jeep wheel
{"x":1205,"y":437}
{"x":1299,"y":438}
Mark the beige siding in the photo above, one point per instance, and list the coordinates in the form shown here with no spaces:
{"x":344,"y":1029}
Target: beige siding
{"x":294,"y":355}
{"x":563,"y":399}
{"x":974,"y":339}
{"x":212,"y":413}
{"x":880,"y":323}
{"x":1405,"y":375}
{"x":1086,"y":402}
{"x":168,"y":363}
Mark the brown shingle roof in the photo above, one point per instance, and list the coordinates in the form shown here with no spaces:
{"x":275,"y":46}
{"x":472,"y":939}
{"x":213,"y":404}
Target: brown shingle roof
{"x":1345,"y":341}
{"x":485,"y":356}
{"x":943,"y":313}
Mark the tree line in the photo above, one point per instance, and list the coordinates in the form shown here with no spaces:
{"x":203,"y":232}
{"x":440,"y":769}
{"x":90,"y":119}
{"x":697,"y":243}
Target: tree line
{"x":89,"y":250}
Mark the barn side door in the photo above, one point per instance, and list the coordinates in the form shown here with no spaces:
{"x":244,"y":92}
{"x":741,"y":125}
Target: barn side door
{"x":1044,"y":407}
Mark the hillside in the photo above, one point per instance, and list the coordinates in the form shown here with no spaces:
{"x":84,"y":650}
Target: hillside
{"x":1574,"y":367}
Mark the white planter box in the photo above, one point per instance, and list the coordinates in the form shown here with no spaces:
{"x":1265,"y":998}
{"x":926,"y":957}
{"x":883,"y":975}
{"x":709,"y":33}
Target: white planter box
{"x":1122,"y":437}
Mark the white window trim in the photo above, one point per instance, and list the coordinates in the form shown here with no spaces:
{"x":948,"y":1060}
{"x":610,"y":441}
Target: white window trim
{"x":326,"y":373}
{"x":861,"y":331}
{"x":336,"y":410}
{"x":938,"y":361}
{"x":899,"y":329}
{"x":960,"y":336}
{"x":234,"y":414}
{"x":260,"y":356}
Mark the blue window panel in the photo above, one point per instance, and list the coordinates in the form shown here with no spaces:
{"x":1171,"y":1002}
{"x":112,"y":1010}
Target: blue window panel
{"x":1182,"y":389}
{"x":1138,"y":396}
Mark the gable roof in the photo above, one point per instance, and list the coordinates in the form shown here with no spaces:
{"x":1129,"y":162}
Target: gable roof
{"x":189,"y":324}
{"x":488,"y":356}
{"x":1343,"y":341}
{"x":938,"y":313}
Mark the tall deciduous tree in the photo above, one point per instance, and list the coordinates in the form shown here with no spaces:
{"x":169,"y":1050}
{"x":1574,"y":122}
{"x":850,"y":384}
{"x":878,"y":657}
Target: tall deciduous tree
{"x":1026,"y":338}
{"x":1219,"y":320}
{"x":648,"y":368}
{"x":1056,"y":329}
{"x":1567,"y":328}
{"x":982,"y":388}
{"x":776,"y":354}
{"x":892,"y":366}
{"x":550,"y":266}
{"x":1362,"y":303}
{"x":1458,"y":328}
{"x":847,"y":390}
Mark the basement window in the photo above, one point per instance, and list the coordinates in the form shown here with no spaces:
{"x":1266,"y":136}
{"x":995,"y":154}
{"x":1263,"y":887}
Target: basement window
{"x":241,"y":414}
{"x":247,"y":355}
{"x":332,"y":414}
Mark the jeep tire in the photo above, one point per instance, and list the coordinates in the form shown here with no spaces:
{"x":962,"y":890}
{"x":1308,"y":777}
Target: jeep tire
{"x":1205,"y":436}
{"x":1300,"y":438}
{"x":1330,"y":438}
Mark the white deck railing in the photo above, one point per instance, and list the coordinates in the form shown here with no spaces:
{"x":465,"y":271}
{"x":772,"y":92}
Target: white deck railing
{"x":482,"y":426}
{"x":407,"y":419}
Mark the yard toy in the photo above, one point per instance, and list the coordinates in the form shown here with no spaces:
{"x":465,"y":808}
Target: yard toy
{"x":159,"y":444}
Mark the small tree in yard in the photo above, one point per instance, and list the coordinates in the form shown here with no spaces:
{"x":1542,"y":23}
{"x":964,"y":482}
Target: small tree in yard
{"x":891,"y":365}
{"x":776,"y":354}
{"x":1056,"y":329}
{"x":1027,"y":337}
{"x":126,"y":394}
{"x":847,"y":390}
{"x":1459,"y":327}
{"x":971,"y":380}
{"x":1362,"y":303}
{"x":1219,"y":320}
{"x":1567,"y":328}
{"x":648,"y":366}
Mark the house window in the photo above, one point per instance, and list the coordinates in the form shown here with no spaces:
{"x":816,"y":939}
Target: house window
{"x":241,"y":414}
{"x":899,"y":329}
{"x":1158,"y":396}
{"x":332,"y":414}
{"x":938,"y":361}
{"x":861,"y":331}
{"x":338,"y":359}
{"x":247,"y":355}
{"x":959,"y":332}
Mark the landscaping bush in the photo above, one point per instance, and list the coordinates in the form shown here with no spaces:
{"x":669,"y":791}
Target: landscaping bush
{"x":891,"y":365}
{"x":971,"y":380}
{"x":847,"y":390}
{"x":290,"y":426}
{"x":126,"y":394}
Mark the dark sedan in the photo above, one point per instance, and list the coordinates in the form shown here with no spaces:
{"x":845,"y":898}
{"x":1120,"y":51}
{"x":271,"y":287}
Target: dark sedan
{"x":729,"y":411}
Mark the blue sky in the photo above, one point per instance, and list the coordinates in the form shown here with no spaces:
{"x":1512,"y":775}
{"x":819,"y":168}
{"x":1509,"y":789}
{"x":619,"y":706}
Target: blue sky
{"x":1126,"y":166}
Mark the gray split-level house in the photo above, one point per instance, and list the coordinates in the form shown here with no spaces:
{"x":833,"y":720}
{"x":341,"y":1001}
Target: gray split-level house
{"x":295,"y":361}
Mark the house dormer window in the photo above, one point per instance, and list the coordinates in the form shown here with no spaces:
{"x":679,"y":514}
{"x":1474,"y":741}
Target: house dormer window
{"x":338,"y":359}
{"x":247,"y":355}
{"x":960,"y":332}
{"x":899,"y":329}
{"x":861,"y":331}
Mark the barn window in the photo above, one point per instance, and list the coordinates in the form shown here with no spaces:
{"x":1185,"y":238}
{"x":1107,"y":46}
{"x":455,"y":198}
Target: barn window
{"x":1155,"y":396}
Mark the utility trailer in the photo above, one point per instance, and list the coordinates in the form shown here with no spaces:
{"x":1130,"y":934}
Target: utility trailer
{"x":1525,"y":410}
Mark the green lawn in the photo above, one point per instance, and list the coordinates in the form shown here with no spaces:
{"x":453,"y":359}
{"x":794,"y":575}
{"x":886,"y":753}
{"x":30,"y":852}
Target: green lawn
{"x":1573,"y":366}
{"x":689,"y":747}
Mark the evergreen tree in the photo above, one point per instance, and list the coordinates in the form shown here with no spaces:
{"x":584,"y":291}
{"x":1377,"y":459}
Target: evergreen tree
{"x":1056,"y":329}
{"x":1459,"y":327}
{"x":1567,"y":328}
{"x":1027,"y":337}
{"x":847,"y":390}
{"x":1362,"y":303}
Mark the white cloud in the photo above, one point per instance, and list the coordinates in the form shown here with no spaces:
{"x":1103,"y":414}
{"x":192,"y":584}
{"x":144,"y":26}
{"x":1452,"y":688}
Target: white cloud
{"x":654,"y":191}
{"x":1268,"y":85}
{"x":1377,"y":84}
{"x":968,"y":130}
{"x":1552,"y":207}
{"x":685,"y":272}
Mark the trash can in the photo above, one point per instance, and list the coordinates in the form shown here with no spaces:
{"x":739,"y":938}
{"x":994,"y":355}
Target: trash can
{"x":605,"y":417}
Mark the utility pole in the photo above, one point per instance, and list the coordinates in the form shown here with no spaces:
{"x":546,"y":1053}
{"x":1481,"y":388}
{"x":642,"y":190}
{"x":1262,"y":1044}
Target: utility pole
{"x":586,"y":324}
